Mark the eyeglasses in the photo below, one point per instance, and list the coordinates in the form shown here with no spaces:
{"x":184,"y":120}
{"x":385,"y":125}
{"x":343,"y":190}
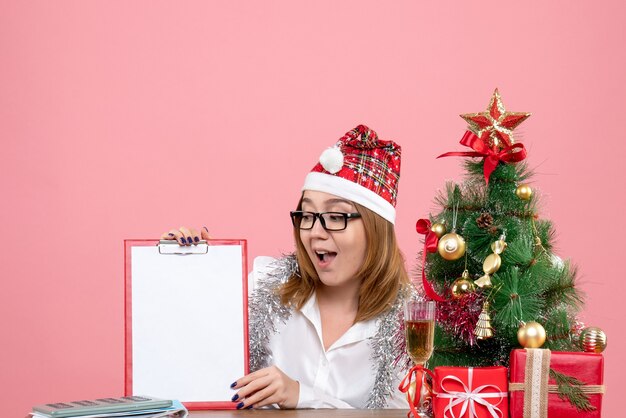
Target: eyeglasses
{"x":331,"y":221}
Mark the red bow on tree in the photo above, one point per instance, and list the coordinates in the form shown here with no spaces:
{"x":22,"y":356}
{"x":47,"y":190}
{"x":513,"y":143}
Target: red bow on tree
{"x":511,"y":154}
{"x":430,"y":246}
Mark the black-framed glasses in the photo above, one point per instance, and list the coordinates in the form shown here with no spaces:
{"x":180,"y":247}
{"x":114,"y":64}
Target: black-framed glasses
{"x":331,"y":221}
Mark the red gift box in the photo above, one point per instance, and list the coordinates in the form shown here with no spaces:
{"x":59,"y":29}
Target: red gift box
{"x":534,"y":392}
{"x":472,"y":392}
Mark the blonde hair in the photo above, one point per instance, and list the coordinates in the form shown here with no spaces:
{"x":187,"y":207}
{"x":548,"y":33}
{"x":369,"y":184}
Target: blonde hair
{"x":382,"y":274}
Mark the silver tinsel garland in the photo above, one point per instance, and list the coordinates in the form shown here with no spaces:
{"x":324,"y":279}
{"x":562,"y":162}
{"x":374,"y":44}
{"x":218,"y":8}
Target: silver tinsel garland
{"x":389,"y":356}
{"x":386,"y":353}
{"x":265,"y":308}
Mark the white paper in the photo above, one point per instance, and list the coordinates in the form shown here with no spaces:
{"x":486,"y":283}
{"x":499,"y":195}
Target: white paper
{"x":187,"y":323}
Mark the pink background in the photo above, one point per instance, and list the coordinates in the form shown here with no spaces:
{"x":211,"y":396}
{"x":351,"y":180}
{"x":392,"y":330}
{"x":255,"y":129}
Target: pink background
{"x":123,"y":119}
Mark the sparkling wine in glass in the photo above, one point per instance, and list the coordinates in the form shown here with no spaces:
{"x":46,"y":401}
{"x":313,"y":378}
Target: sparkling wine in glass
{"x":420,"y":334}
{"x":419,"y":325}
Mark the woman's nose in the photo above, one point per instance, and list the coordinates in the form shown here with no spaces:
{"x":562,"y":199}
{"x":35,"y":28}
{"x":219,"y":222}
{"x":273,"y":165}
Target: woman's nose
{"x":318,"y":229}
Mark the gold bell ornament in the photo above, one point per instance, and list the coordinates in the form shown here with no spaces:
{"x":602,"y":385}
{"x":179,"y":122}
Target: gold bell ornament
{"x":483,"y":330}
{"x":492,"y":263}
{"x":462,"y":286}
{"x":592,"y":340}
{"x":531,"y":335}
{"x":524,"y":191}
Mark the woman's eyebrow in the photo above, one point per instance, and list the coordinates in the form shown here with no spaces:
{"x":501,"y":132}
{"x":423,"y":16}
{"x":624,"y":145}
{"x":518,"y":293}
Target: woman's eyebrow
{"x":335,"y":201}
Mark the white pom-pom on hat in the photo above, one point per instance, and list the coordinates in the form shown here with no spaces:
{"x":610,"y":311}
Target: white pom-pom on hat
{"x":332,"y":159}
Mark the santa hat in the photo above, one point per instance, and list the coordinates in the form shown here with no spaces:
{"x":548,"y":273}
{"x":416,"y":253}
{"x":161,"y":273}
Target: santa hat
{"x":360,"y":168}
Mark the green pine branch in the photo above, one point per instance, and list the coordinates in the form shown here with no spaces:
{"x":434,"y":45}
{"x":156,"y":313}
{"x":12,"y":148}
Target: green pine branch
{"x":569,"y":388}
{"x":513,"y":173}
{"x":562,"y":286}
{"x":545,"y":231}
{"x":519,"y":251}
{"x":517,"y":298}
{"x":558,"y":324}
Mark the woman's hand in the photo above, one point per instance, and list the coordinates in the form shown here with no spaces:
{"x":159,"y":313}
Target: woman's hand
{"x":265,"y":387}
{"x":187,"y":236}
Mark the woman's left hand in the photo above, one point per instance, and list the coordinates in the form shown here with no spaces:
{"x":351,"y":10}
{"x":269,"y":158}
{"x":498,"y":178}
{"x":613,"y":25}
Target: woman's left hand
{"x":265,"y":387}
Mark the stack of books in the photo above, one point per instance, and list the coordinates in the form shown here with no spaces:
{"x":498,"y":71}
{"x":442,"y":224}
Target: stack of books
{"x":127,"y":406}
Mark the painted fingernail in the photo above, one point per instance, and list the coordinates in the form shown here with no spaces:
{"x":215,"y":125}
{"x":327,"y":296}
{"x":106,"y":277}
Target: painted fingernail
{"x":196,"y":239}
{"x":232,"y":385}
{"x":170,"y":235}
{"x":205,"y":228}
{"x":250,"y":407}
{"x":234,"y":398}
{"x":240,"y":405}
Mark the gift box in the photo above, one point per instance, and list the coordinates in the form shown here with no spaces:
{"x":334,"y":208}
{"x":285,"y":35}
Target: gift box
{"x":471,"y":392}
{"x":534,"y":390}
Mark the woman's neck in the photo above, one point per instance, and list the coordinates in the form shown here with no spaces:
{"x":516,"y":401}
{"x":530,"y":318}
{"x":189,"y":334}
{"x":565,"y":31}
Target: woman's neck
{"x":338,"y":307}
{"x":338,"y":298}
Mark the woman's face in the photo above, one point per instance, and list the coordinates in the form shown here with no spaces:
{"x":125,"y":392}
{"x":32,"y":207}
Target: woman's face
{"x":336,"y":255}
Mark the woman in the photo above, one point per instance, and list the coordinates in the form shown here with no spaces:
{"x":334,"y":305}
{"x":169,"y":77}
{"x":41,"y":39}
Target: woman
{"x":324,"y":322}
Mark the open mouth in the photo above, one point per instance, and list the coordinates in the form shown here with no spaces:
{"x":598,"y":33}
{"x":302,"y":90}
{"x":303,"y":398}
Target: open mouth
{"x":325,"y":256}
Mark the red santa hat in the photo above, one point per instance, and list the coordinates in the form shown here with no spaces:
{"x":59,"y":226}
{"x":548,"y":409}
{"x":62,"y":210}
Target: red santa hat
{"x":360,"y":168}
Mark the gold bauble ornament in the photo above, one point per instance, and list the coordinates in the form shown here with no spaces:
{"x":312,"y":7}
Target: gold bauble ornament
{"x":592,"y":340}
{"x":462,"y":286}
{"x":451,"y":246}
{"x":524,"y":192}
{"x":531,"y":335}
{"x":438,"y":229}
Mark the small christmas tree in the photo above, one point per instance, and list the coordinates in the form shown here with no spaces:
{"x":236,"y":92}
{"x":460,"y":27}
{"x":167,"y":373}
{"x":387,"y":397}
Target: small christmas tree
{"x":488,"y":257}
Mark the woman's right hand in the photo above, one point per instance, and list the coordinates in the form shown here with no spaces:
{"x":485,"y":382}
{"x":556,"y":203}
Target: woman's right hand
{"x":265,"y":387}
{"x":187,"y":236}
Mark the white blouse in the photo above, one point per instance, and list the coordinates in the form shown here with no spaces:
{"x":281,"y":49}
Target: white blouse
{"x":340,"y":377}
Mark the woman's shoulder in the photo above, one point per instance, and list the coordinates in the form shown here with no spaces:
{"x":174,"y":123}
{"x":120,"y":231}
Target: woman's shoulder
{"x":269,"y":275}
{"x":271,"y":272}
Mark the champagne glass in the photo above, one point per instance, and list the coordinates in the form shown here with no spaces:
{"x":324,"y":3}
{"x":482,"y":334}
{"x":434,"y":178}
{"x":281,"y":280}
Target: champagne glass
{"x":419,"y":325}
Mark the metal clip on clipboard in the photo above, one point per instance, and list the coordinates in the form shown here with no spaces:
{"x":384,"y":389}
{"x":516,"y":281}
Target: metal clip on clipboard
{"x":172,"y":247}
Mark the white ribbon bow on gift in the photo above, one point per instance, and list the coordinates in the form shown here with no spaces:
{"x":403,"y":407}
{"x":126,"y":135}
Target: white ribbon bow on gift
{"x":470,"y":397}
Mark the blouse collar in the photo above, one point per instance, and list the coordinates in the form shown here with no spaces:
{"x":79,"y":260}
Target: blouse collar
{"x":360,"y":331}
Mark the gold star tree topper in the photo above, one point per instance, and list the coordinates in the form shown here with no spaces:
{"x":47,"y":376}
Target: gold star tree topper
{"x":495,"y":125}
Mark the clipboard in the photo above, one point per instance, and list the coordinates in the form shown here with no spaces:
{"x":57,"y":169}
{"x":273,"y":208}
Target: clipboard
{"x":186,"y":320}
